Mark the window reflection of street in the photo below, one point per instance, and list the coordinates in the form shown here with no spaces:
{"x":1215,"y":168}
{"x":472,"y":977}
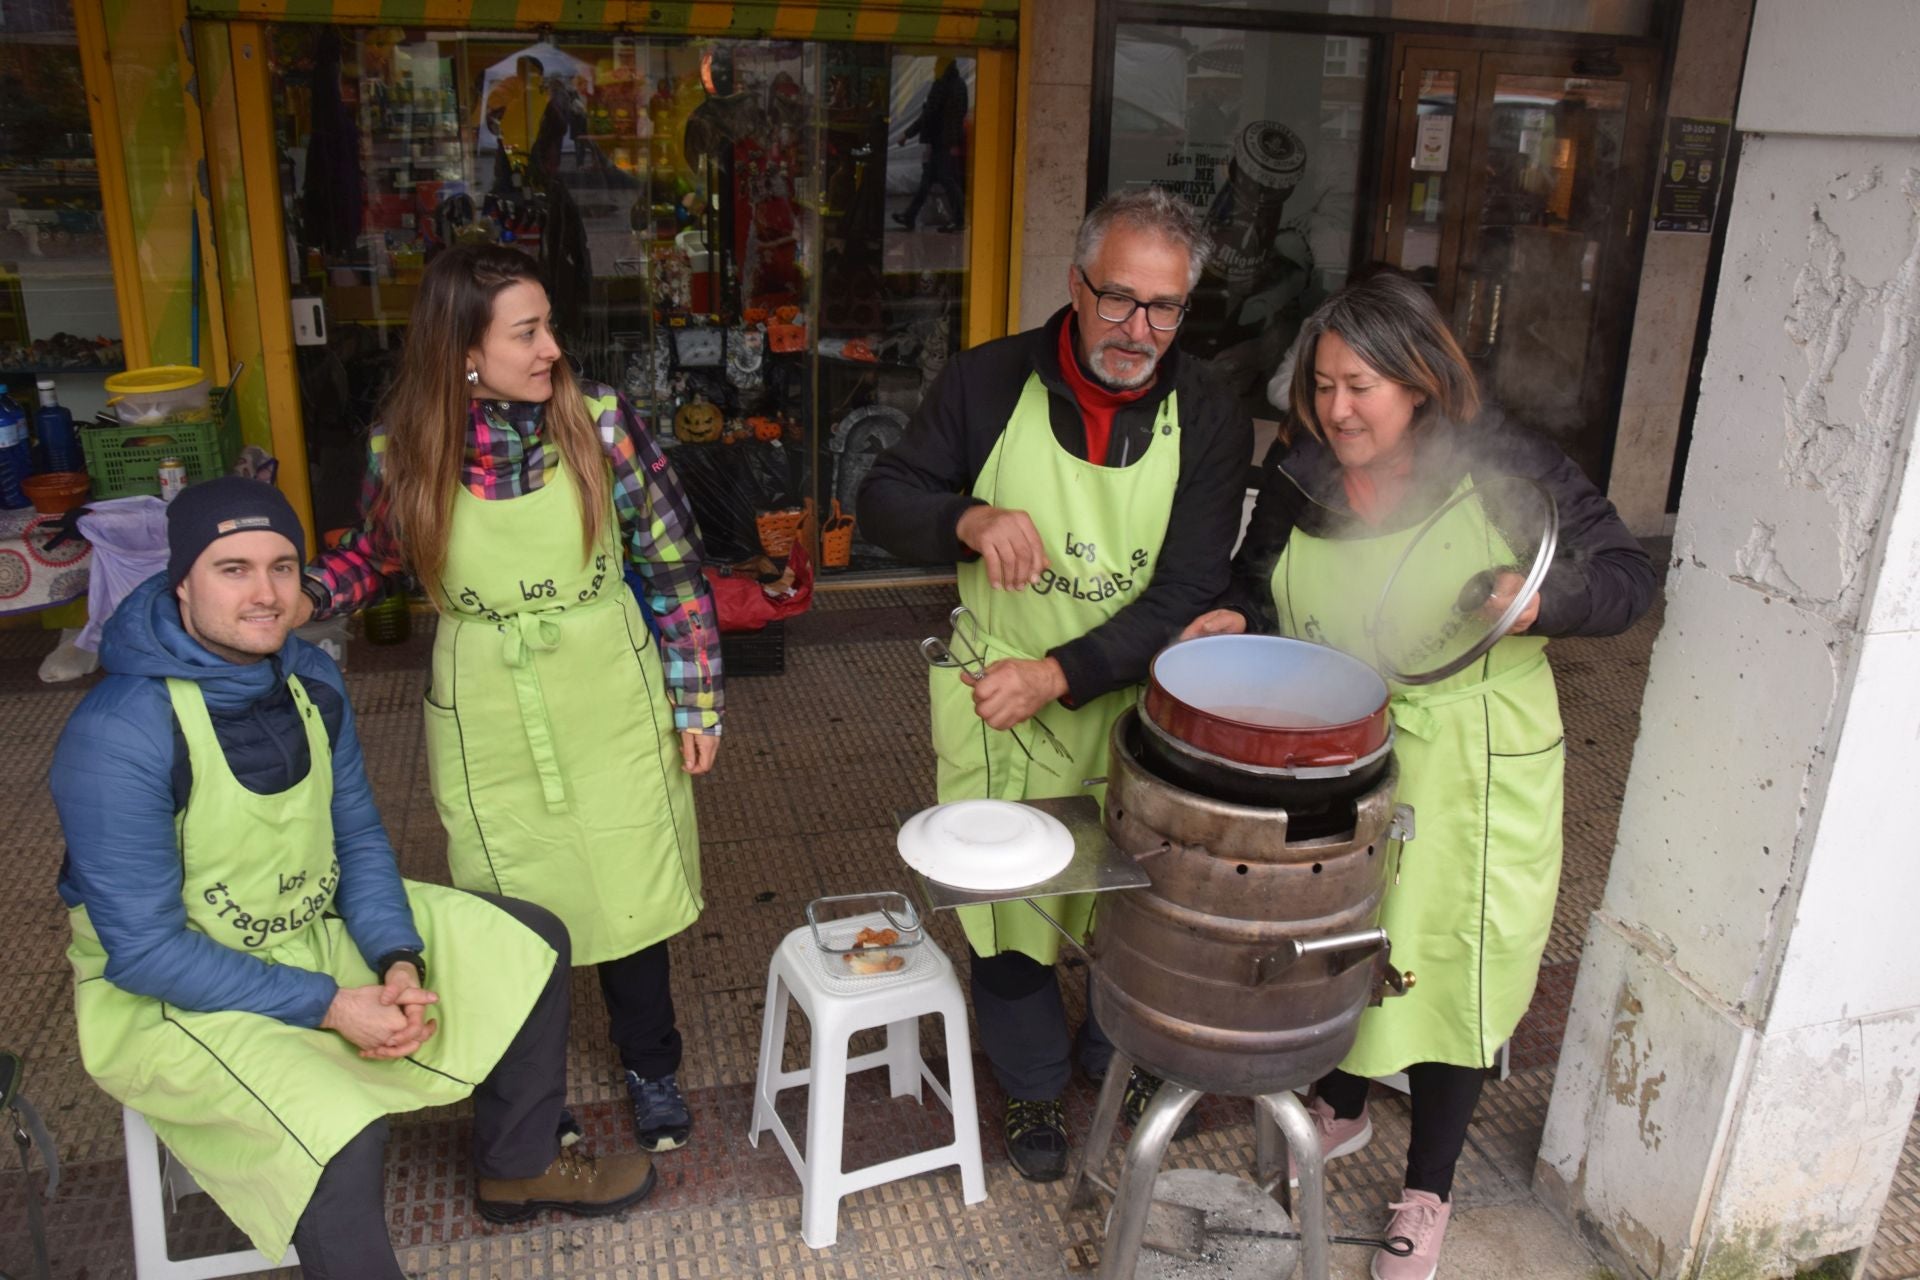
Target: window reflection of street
{"x":1263,"y":132}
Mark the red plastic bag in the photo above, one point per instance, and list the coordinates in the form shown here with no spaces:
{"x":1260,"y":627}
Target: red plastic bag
{"x":744,"y":605}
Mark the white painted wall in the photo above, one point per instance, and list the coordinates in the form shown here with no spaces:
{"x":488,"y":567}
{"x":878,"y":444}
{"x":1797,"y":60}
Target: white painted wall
{"x":1743,"y":1051}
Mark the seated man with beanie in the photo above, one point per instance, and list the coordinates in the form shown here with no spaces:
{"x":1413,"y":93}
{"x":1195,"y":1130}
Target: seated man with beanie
{"x":252,"y":973}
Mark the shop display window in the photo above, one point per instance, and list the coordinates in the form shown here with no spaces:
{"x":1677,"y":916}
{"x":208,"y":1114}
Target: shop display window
{"x":57,"y":308}
{"x":754,"y":241}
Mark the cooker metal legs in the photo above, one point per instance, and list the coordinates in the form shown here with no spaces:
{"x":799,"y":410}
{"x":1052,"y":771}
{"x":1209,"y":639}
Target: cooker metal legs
{"x":1093,"y":1153}
{"x":1133,"y":1197}
{"x":1290,"y":1115}
{"x":1280,"y":1123}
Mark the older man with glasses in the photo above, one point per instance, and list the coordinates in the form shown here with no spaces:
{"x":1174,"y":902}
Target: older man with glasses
{"x":1088,"y":483}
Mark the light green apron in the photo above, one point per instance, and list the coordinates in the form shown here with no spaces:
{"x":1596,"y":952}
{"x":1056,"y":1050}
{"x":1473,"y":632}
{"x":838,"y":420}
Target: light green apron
{"x":253,"y":1106}
{"x":1480,"y":757}
{"x":1102,"y":528}
{"x":550,"y":741}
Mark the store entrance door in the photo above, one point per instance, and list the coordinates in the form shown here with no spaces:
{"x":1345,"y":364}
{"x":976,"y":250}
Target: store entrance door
{"x":1515,"y":184}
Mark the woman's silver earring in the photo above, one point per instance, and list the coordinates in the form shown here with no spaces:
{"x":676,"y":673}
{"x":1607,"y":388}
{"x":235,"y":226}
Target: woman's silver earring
{"x":473,"y":377}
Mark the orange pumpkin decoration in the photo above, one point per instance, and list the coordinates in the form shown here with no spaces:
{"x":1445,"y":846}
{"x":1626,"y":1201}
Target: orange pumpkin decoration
{"x":786,"y":338}
{"x":698,"y":422}
{"x":787,"y":314}
{"x":765,"y":429}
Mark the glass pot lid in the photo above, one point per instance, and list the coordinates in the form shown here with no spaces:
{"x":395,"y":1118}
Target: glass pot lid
{"x":1452,"y":594}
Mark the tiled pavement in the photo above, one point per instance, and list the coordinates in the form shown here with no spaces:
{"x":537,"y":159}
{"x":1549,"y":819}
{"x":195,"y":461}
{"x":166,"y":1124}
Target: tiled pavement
{"x":816,"y":761}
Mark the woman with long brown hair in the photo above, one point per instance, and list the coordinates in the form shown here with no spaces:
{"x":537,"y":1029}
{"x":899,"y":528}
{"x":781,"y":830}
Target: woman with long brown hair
{"x":561,"y":736}
{"x":1391,"y":429}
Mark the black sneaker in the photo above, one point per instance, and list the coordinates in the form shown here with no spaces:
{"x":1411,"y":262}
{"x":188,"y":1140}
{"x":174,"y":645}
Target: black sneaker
{"x":903,"y":220}
{"x":661,"y":1120}
{"x":1141,"y":1086}
{"x":1037,"y":1138}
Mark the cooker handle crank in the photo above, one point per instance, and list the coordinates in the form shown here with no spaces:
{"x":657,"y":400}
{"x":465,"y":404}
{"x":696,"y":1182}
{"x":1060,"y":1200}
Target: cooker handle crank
{"x":1388,"y":980}
{"x":1344,"y":951}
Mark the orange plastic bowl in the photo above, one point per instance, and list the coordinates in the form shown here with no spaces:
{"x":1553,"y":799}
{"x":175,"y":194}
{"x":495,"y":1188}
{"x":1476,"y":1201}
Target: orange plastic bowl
{"x":55,"y":492}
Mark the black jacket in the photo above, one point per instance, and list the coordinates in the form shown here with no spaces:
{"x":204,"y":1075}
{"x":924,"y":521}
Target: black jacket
{"x":1600,"y":582}
{"x":913,"y":498}
{"x":943,"y":116}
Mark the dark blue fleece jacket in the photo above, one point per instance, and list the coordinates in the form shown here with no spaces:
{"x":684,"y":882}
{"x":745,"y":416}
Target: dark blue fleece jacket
{"x":120,"y":774}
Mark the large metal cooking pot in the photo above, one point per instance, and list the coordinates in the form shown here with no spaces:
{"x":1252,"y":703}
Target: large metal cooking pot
{"x":1269,"y":701}
{"x":1244,"y":967}
{"x":1313,"y":796}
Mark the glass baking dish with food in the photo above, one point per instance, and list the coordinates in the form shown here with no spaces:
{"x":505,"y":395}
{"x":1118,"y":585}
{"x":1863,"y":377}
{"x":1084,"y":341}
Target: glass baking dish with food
{"x":865,"y":934}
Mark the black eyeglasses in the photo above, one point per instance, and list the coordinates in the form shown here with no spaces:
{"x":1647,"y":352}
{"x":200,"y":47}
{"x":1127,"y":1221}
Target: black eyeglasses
{"x":1117,"y":308}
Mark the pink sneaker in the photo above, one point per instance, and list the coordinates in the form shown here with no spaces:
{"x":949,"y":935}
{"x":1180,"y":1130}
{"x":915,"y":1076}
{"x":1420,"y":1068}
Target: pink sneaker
{"x":1421,"y":1218}
{"x":1337,"y":1137}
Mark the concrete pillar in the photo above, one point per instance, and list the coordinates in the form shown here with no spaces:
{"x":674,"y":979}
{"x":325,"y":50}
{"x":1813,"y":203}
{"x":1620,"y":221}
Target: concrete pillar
{"x":1055,"y":110}
{"x":1743,"y":1050}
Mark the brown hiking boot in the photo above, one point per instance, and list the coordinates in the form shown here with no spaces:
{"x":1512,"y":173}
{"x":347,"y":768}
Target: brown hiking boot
{"x":575,"y":1183}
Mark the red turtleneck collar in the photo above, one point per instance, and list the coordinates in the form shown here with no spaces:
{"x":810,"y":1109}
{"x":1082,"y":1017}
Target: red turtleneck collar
{"x":1098,"y":404}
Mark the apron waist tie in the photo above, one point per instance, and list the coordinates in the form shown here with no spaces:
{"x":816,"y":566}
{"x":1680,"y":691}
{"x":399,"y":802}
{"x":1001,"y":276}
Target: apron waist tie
{"x":1412,"y":710}
{"x":525,"y":635}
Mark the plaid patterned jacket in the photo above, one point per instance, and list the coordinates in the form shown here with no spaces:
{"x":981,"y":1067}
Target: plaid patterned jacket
{"x":506,"y":457}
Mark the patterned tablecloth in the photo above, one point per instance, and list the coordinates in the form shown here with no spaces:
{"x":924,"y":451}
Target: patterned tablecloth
{"x":32,"y":577}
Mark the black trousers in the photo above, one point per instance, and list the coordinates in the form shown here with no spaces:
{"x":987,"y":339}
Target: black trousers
{"x":1023,"y":1027}
{"x":1443,"y":1097}
{"x":342,"y":1235}
{"x":640,"y":1019}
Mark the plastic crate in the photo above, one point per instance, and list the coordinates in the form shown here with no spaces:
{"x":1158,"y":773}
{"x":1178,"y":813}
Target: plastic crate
{"x":125,"y":461}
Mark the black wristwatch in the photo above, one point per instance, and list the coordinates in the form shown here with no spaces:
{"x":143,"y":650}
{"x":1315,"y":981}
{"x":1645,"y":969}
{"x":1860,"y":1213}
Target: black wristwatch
{"x":392,"y":958}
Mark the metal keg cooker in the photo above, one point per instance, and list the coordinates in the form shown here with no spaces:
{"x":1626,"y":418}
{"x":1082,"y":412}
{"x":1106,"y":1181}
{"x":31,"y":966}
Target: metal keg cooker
{"x":1242,"y":968}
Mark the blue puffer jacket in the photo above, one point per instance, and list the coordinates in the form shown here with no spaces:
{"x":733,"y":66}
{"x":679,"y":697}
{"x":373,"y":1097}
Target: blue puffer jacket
{"x":120,"y":774}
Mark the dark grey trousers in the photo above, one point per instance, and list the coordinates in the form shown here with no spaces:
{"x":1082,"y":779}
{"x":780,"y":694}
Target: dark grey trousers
{"x":516,"y":1122}
{"x":1023,"y":1027}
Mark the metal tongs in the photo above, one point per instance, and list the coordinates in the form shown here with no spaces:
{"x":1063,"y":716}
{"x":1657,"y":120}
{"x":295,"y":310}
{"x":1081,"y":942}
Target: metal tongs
{"x":966,"y":633}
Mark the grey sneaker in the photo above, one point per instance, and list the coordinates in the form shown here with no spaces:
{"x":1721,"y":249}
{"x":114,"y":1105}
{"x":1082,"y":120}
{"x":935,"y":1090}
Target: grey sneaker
{"x":661,"y":1119}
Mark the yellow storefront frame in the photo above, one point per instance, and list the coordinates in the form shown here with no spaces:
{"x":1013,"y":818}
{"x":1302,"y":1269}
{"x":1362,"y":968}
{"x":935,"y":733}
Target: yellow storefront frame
{"x":116,"y":203}
{"x":260,"y":164}
{"x":979,"y":23}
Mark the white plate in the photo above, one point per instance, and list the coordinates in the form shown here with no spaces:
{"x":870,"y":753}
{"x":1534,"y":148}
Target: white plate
{"x":986,"y":845}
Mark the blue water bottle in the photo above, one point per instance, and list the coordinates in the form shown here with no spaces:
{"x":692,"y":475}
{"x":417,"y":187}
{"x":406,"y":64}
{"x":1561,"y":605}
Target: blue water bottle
{"x":58,"y":441}
{"x":16,"y":455}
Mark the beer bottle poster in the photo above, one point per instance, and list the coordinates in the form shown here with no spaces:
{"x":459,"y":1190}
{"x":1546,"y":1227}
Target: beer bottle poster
{"x":1693,"y":160}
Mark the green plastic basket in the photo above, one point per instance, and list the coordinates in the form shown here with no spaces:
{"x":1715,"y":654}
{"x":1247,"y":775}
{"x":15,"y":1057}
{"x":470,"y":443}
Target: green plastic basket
{"x":125,"y":461}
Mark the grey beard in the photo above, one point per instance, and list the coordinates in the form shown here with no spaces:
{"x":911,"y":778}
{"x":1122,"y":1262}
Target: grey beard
{"x":1097,"y":366}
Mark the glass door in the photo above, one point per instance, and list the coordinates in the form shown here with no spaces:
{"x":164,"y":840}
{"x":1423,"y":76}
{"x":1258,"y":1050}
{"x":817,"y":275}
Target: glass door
{"x":1515,"y":184}
{"x":1426,"y":200}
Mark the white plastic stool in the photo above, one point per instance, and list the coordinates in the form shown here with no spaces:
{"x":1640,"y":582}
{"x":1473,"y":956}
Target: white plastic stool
{"x":838,"y":1004}
{"x":150,"y":1202}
